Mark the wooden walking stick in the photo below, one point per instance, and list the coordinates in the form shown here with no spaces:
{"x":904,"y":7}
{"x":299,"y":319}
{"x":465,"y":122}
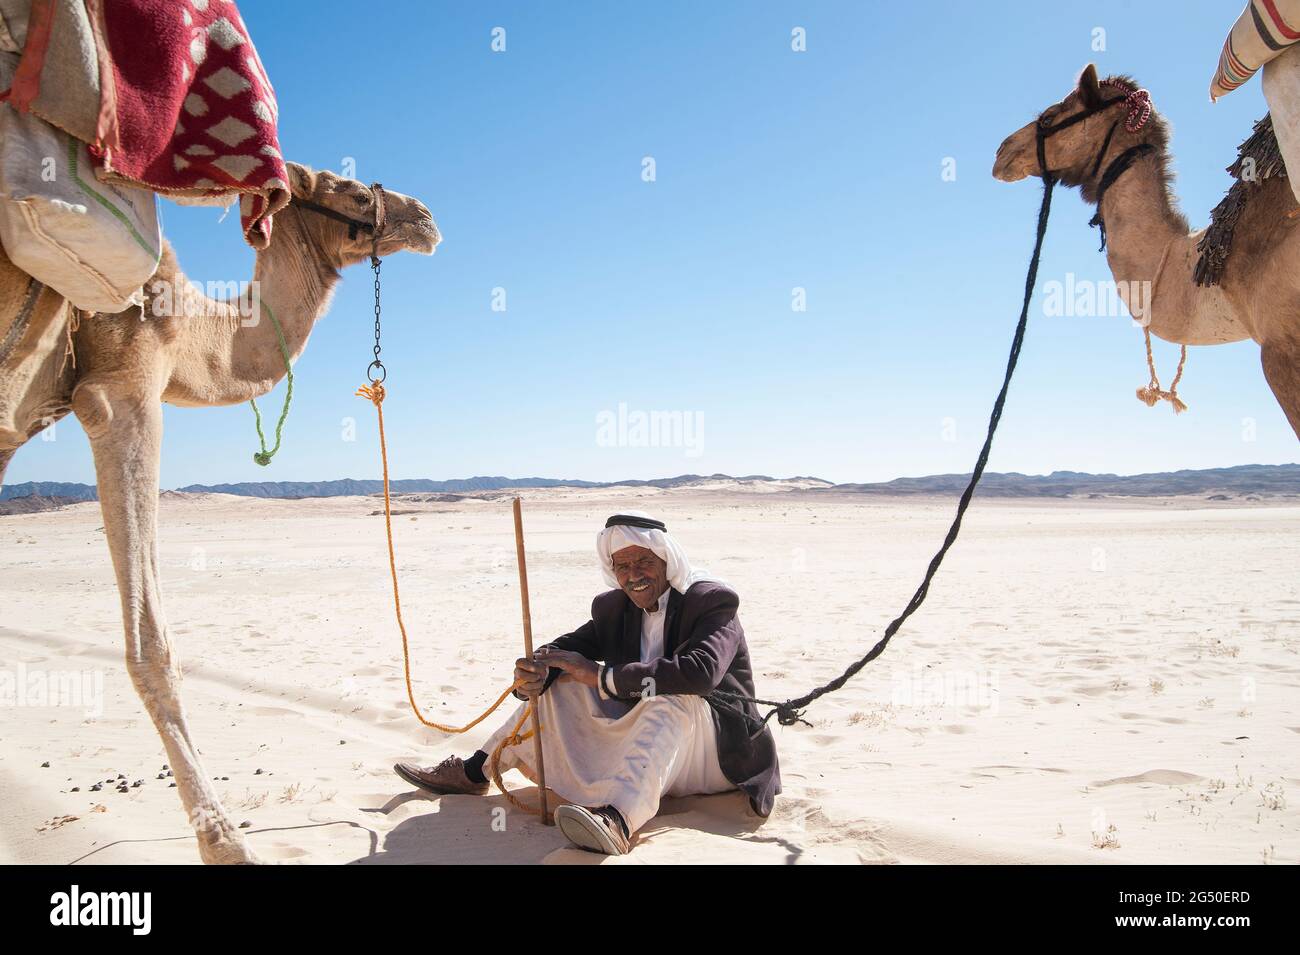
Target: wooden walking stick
{"x":528,"y":652}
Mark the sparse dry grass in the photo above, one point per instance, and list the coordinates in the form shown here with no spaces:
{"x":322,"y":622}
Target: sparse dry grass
{"x":1108,"y":839}
{"x":294,"y":792}
{"x":1273,"y":797}
{"x":253,"y":800}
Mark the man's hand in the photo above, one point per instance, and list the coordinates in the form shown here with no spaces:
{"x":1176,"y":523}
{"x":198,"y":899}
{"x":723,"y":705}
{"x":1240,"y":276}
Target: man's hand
{"x":533,"y":675}
{"x":573,"y":664}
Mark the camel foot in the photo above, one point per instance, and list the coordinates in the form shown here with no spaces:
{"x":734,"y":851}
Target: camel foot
{"x":226,"y":847}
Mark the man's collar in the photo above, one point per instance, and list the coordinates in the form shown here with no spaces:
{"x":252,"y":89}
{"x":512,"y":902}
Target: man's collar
{"x":663,"y":601}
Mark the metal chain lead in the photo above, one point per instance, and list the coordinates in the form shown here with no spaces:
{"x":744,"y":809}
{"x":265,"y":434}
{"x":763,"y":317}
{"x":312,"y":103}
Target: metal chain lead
{"x":376,"y":364}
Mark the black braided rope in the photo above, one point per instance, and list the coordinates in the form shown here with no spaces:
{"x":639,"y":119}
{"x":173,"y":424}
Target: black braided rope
{"x":791,"y":711}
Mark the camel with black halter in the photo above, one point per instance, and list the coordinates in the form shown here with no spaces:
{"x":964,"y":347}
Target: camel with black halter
{"x":1148,"y":239}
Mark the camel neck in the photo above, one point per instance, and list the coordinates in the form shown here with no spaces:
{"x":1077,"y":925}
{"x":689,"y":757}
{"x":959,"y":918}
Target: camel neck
{"x":294,"y":284}
{"x":1140,"y":220}
{"x":237,"y":338}
{"x":1152,"y":255}
{"x":1143,"y":232}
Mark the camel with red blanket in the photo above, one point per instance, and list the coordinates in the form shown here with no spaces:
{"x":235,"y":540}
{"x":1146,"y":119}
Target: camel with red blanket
{"x":114,"y":372}
{"x":175,"y":100}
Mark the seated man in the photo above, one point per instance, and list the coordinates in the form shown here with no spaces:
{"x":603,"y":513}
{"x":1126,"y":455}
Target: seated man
{"x":621,"y":699}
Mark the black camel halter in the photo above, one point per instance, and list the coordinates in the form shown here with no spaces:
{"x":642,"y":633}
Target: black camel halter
{"x":1118,"y":166}
{"x":354,"y":225}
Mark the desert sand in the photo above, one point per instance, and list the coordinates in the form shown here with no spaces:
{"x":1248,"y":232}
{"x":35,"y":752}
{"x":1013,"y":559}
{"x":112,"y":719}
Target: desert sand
{"x":1109,"y":681}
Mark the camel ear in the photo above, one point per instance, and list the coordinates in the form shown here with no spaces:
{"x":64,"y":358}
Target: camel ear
{"x":1089,"y":88}
{"x":301,"y":178}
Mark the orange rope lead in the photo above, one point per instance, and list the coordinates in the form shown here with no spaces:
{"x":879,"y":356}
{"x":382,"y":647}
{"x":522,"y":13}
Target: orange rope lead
{"x":494,"y":760}
{"x":376,"y":393}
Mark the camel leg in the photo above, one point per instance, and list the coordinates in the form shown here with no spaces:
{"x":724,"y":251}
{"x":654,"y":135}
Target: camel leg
{"x":1282,"y":371}
{"x":125,"y":433}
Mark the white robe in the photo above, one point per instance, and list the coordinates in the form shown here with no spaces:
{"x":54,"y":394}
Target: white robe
{"x":601,"y":751}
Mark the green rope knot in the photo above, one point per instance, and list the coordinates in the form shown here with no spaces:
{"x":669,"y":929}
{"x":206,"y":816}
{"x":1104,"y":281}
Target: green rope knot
{"x":264,"y":456}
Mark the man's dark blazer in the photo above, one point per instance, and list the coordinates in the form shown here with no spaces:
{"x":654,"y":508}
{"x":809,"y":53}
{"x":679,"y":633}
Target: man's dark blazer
{"x":704,"y":649}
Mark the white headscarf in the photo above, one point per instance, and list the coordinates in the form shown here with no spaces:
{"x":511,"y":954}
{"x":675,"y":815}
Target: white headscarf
{"x":611,"y":540}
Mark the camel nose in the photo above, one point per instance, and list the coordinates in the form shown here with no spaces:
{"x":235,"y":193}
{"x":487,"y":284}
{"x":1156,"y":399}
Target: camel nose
{"x":420,"y":236}
{"x":1007,"y":165}
{"x":411,"y":228}
{"x":424,"y":236}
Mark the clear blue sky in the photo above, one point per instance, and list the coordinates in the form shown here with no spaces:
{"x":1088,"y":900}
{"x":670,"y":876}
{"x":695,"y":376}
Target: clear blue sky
{"x":775,"y":169}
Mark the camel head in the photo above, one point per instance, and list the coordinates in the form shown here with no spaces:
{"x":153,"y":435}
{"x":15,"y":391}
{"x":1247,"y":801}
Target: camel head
{"x":408,"y":225}
{"x":1077,"y":154}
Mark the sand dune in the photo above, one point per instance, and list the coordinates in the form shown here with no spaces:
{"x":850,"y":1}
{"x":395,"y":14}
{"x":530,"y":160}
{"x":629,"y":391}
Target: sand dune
{"x":1103,"y":681}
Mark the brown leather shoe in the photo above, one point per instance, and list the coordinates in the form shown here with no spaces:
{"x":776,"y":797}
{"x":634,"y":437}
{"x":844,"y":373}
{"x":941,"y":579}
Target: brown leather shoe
{"x":596,"y":830}
{"x":446,"y":779}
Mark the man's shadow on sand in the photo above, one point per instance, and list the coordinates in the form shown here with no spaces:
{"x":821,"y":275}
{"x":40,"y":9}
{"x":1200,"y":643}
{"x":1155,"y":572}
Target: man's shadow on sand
{"x":488,"y":830}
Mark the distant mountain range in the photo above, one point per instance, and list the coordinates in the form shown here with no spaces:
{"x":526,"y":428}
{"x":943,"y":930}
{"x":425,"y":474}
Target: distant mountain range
{"x":31,"y":503}
{"x":348,"y":486}
{"x":1270,"y":480}
{"x":1247,"y":479}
